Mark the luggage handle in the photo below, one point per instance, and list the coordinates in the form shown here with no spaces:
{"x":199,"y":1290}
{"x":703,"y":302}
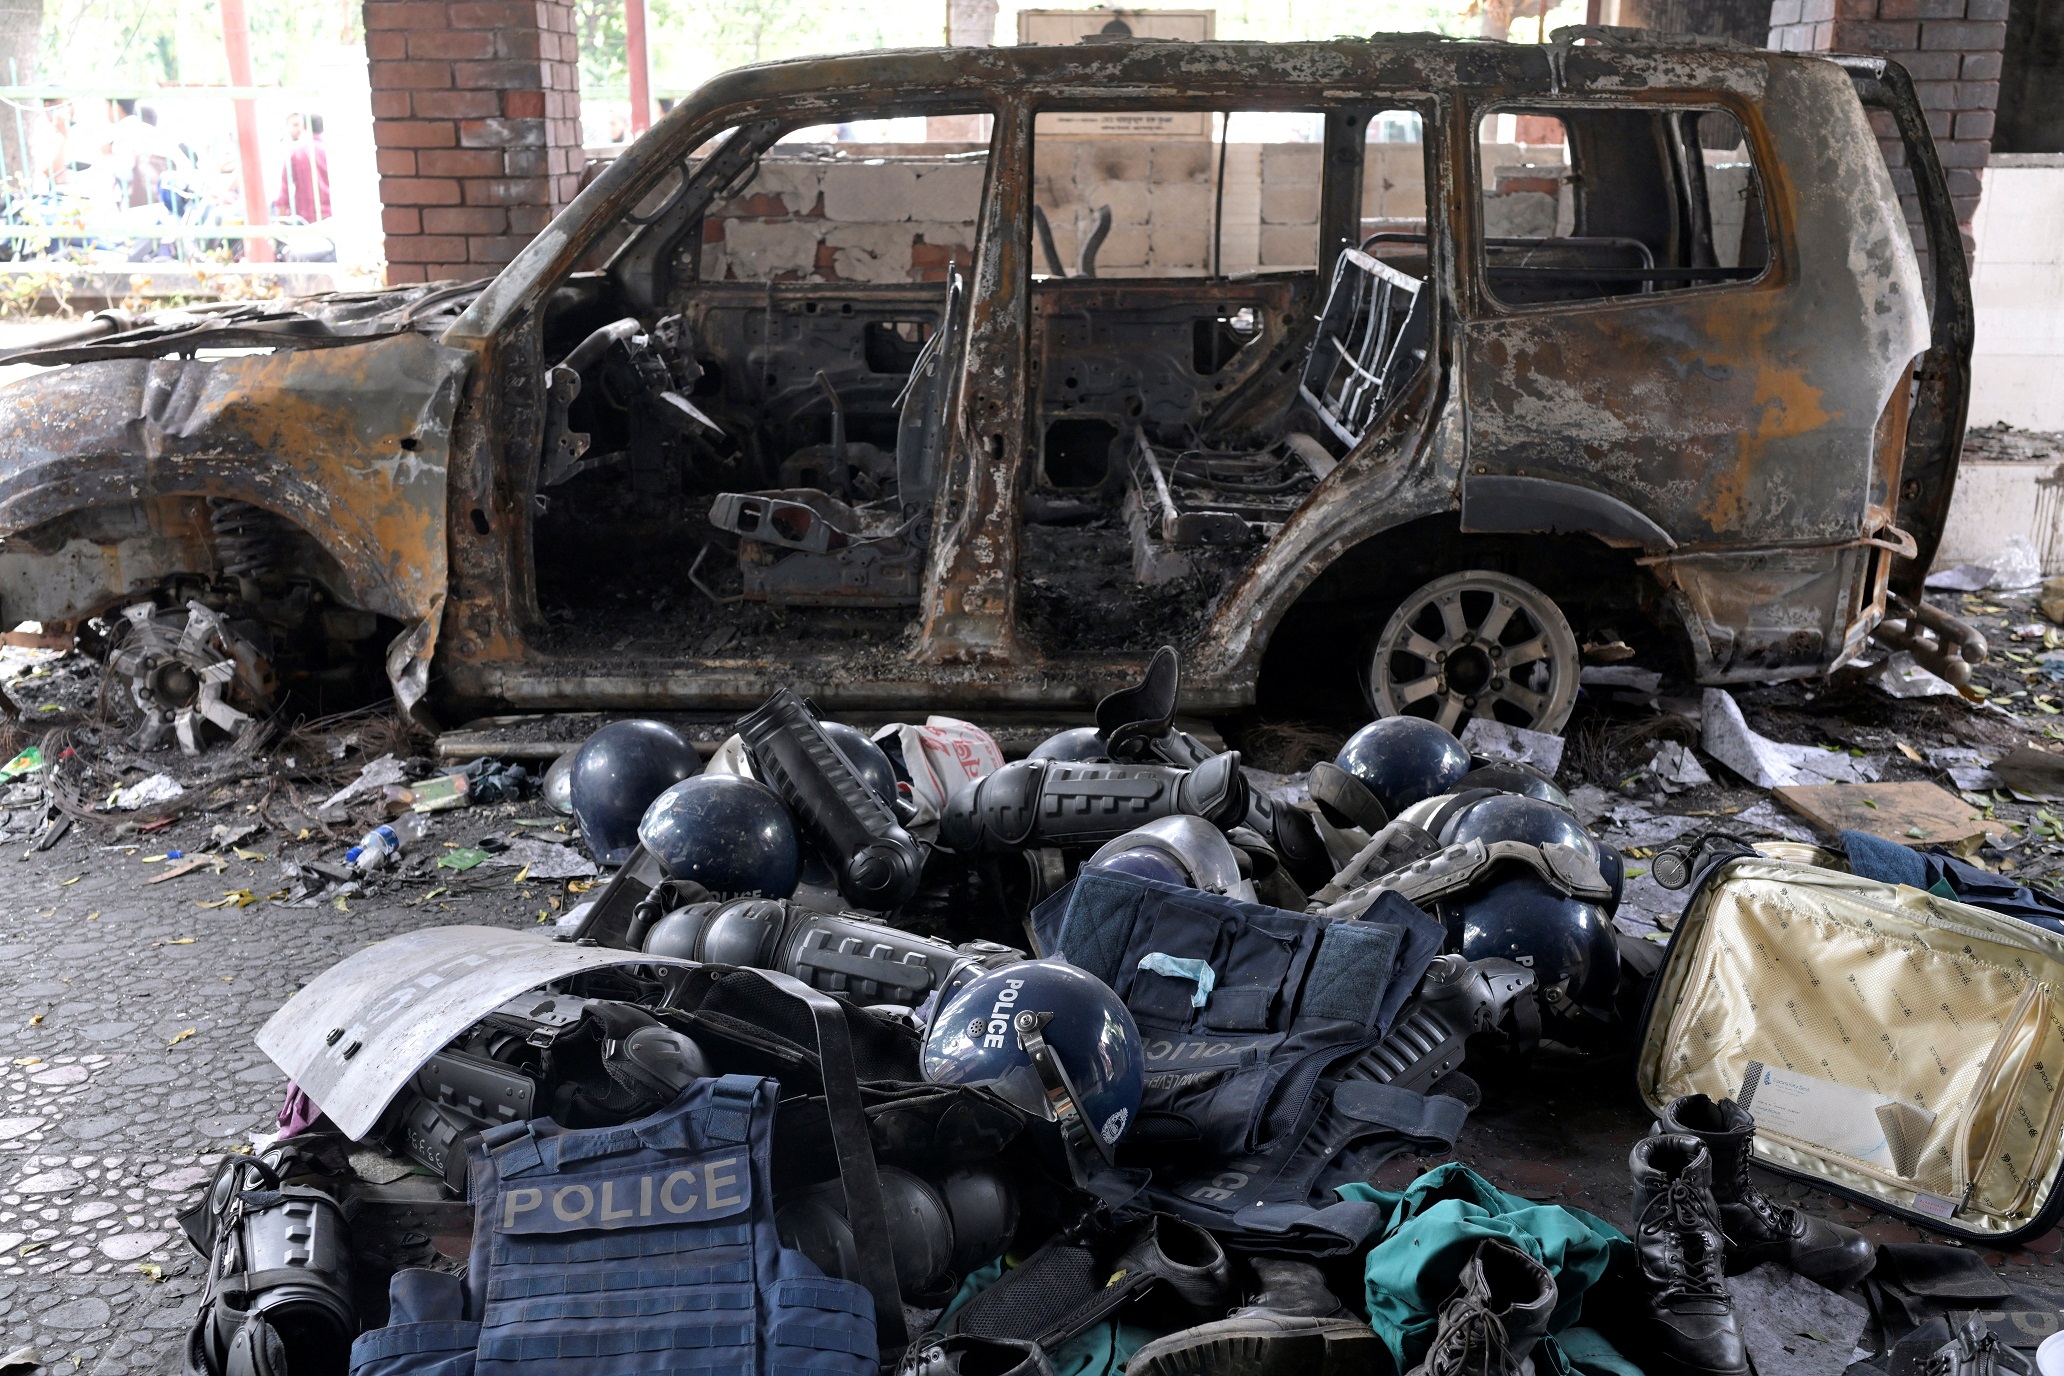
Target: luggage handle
{"x":853,"y":1143}
{"x":1962,"y":1171}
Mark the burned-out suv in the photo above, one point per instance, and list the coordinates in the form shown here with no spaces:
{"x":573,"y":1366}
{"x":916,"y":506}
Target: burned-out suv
{"x":1408,"y":371}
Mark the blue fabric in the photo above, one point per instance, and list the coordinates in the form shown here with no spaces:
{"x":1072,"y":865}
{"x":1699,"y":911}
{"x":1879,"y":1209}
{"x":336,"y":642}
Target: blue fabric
{"x":1945,"y":876}
{"x":650,"y":1246}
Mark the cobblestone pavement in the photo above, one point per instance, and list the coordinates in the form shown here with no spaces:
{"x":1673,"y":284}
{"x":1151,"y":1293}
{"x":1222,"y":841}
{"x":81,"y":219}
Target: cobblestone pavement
{"x":127,"y":1068}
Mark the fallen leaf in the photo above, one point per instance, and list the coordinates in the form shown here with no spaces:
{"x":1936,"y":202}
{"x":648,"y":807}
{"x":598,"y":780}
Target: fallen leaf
{"x":432,"y":894}
{"x":35,"y":1020}
{"x":181,"y":1037}
{"x":176,"y":941}
{"x":243,"y":898}
{"x":31,"y":1247}
{"x":521,"y":875}
{"x":1870,"y":804}
{"x":243,"y":854}
{"x":28,"y":1060}
{"x":340,"y":905}
{"x":1910,"y":752}
{"x":151,"y":1269}
{"x":93,"y":915}
{"x":303,"y":836}
{"x":67,"y":883}
{"x":581,"y":885}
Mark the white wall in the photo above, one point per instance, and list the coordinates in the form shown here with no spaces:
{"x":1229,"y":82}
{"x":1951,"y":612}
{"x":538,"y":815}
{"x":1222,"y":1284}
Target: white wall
{"x":2017,"y":280}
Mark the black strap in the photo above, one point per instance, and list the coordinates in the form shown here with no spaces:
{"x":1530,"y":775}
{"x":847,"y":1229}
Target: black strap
{"x":854,"y":1142}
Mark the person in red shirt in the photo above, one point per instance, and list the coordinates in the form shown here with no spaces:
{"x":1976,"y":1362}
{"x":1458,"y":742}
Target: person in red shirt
{"x":304,"y":191}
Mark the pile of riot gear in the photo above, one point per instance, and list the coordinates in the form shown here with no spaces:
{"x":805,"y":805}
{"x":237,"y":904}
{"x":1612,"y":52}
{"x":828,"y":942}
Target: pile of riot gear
{"x":837,"y":1075}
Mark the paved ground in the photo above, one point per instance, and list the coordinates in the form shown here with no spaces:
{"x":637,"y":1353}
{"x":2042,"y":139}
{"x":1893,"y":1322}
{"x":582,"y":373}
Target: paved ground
{"x":127,"y":1068}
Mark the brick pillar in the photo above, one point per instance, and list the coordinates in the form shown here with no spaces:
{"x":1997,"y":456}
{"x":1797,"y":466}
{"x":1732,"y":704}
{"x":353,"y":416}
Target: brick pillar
{"x":1951,"y":47}
{"x":476,"y":119}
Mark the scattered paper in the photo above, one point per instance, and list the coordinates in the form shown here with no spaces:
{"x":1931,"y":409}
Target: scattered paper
{"x":1630,"y":825}
{"x":1766,"y":819}
{"x":1902,"y":677}
{"x":158,"y":788}
{"x":1960,"y":578}
{"x":544,"y":860}
{"x":1591,"y":803}
{"x":1676,"y":768}
{"x":1495,"y":740}
{"x":2017,"y":565}
{"x":1773,"y":764}
{"x":371,"y":779}
{"x":1793,"y":1327}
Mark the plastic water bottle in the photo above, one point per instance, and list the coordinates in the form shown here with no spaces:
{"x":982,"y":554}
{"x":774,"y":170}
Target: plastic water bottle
{"x":384,"y":842}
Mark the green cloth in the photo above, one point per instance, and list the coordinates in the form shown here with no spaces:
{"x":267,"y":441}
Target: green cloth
{"x":1099,"y":1352}
{"x":1435,"y":1225}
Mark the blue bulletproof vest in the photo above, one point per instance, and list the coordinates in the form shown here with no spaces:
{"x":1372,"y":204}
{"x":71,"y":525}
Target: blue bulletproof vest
{"x":1246,"y":1015}
{"x":1242,"y":1008}
{"x":649,"y":1248}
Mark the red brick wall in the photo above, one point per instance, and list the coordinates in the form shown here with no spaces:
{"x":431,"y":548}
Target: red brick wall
{"x":1952,"y":49}
{"x":476,"y":119}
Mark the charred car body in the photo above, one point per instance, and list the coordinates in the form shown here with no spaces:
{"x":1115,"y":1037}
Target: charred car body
{"x":1404,"y":367}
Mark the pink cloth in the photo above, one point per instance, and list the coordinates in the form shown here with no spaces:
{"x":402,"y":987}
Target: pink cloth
{"x":298,"y":1114}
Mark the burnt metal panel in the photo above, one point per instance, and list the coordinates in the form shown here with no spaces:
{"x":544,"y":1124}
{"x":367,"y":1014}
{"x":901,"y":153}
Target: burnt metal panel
{"x":349,"y":442}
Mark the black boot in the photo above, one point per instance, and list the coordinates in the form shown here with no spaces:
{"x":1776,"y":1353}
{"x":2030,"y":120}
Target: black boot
{"x":1757,"y":1228}
{"x":1497,"y":1314}
{"x":968,"y":1356}
{"x":1684,"y":1320}
{"x":1295,"y":1326}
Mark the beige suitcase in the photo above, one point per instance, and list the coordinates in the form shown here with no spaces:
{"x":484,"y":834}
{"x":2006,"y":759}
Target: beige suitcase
{"x":1900,"y":1049}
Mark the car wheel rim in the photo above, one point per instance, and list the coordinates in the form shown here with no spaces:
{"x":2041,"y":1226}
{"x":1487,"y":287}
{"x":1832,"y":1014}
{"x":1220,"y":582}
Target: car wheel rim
{"x":1477,"y":644}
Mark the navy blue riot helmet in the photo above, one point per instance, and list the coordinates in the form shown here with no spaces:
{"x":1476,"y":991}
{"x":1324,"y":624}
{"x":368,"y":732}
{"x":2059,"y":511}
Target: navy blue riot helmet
{"x":869,"y":760}
{"x":1054,"y":1042}
{"x":617,"y":773}
{"x":1077,"y":745}
{"x":731,"y":835}
{"x":1613,"y":866}
{"x":1404,"y":759}
{"x":1516,"y":817}
{"x":1567,"y":942}
{"x":1515,"y":776}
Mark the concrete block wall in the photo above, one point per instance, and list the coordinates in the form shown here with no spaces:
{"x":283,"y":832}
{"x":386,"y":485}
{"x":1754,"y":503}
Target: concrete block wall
{"x":476,"y":107}
{"x":901,"y":213}
{"x":2017,"y":282}
{"x":862,"y":216}
{"x":1952,"y":48}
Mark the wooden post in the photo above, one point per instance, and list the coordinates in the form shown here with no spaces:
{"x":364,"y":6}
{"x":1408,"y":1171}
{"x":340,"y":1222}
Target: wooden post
{"x":236,"y":38}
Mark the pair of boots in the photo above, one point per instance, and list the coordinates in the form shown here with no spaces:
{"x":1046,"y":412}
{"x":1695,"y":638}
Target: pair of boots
{"x":1296,"y":1326}
{"x":1699,"y":1218}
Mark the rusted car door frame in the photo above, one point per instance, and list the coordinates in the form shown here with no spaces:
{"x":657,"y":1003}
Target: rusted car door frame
{"x":1404,"y":469}
{"x":1942,"y":380}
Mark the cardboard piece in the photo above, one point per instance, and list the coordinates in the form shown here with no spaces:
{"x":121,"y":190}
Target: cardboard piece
{"x":1913,"y":814}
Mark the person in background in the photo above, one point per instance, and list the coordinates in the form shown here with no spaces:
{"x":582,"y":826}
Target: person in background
{"x":619,"y":127}
{"x":51,"y":147}
{"x":304,"y":190}
{"x":130,"y":148}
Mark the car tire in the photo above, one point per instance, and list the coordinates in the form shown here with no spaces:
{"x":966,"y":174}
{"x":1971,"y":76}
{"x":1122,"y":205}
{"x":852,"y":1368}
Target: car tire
{"x":1475,"y":643}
